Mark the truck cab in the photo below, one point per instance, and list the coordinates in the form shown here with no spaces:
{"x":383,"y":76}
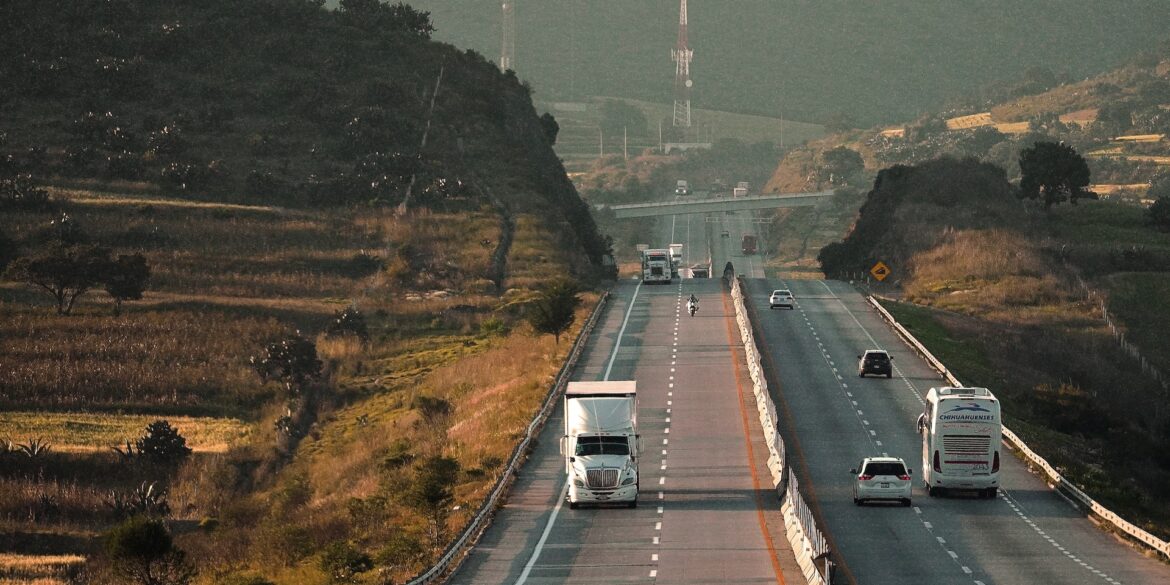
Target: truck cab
{"x":601,"y":444}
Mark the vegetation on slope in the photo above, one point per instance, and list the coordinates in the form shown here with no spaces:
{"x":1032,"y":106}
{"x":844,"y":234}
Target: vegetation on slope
{"x":254,"y":155}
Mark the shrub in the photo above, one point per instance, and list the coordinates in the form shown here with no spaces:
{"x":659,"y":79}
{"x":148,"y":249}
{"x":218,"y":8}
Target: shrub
{"x":162,"y":443}
{"x":19,"y":192}
{"x":348,"y":322}
{"x":141,"y":550}
{"x":343,"y":562}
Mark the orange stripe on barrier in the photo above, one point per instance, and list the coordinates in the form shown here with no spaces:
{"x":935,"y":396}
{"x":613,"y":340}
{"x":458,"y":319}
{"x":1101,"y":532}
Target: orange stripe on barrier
{"x":747,"y":440}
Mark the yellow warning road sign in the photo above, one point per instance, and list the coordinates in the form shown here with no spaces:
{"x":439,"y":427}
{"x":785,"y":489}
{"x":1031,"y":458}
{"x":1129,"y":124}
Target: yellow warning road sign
{"x":880,"y":271}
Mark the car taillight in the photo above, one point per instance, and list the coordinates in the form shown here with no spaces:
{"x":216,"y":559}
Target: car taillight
{"x":864,"y":477}
{"x":937,"y":463}
{"x":904,"y":477}
{"x":995,"y":463}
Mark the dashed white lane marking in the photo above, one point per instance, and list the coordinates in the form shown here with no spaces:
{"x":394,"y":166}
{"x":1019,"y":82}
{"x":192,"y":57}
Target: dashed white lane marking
{"x":657,"y":526}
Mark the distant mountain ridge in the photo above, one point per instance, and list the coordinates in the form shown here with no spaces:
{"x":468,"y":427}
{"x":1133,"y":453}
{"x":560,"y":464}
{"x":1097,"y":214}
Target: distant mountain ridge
{"x":877,"y":62}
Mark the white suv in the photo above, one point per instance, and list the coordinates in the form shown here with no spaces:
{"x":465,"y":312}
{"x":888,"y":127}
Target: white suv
{"x":881,"y":478}
{"x":781,"y":298}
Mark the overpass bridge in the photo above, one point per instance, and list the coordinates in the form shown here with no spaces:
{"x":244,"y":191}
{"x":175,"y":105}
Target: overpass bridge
{"x":720,"y":204}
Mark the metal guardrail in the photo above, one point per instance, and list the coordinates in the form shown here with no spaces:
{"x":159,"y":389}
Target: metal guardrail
{"x":1058,"y":481}
{"x":808,"y":544}
{"x":453,"y":556}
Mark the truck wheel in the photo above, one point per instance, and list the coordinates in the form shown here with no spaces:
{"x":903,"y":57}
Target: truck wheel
{"x":890,"y":375}
{"x":573,"y":505}
{"x":990,"y":493}
{"x":931,"y":491}
{"x":632,"y":504}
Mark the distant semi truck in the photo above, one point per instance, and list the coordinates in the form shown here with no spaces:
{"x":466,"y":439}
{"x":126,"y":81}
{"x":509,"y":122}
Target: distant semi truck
{"x":748,"y":245}
{"x":682,"y":188}
{"x":675,"y":258}
{"x":656,"y":266}
{"x":601,"y":443}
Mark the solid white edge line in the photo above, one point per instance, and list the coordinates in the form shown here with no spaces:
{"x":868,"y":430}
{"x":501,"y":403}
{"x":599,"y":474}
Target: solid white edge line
{"x":544,"y":536}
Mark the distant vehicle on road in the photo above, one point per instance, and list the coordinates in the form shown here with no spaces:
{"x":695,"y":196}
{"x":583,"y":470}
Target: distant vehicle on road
{"x":700,"y":271}
{"x":882,"y":478}
{"x":682,"y":188}
{"x":748,"y":245}
{"x":781,"y":298}
{"x":874,"y":361}
{"x":725,"y":234}
{"x":739,"y":192}
{"x":656,"y":266}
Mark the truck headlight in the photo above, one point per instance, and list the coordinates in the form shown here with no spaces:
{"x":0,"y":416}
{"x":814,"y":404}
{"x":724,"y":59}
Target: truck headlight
{"x":629,"y":480}
{"x":578,"y":482}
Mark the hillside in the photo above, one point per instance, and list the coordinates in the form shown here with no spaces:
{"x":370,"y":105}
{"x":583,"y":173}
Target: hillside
{"x":340,"y":222}
{"x":877,"y":62}
{"x":274,"y":102}
{"x":1007,"y":291}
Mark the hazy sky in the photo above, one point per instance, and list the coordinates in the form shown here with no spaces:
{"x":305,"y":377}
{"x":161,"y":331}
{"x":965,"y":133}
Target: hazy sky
{"x":877,"y":60}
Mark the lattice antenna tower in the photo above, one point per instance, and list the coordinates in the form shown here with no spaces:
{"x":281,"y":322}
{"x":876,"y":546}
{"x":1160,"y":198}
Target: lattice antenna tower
{"x":508,"y":44}
{"x":682,"y":55}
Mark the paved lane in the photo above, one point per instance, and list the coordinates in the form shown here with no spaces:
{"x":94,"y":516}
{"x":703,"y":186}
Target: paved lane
{"x":706,"y":513}
{"x":1027,"y":535}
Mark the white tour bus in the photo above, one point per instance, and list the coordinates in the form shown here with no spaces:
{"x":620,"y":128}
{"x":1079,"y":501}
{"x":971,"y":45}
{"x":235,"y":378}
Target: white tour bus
{"x":961,"y":433}
{"x":656,"y":266}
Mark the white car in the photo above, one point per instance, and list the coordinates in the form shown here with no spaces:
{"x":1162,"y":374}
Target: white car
{"x":881,"y":478}
{"x":781,"y":298}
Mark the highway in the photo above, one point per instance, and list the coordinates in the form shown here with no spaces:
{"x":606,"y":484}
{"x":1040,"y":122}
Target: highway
{"x":707,"y":512}
{"x":831,"y":419}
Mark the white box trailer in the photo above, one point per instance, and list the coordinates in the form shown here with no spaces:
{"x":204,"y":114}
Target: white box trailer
{"x":601,"y":443}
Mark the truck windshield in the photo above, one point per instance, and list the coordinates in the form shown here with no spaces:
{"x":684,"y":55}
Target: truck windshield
{"x":602,"y":446}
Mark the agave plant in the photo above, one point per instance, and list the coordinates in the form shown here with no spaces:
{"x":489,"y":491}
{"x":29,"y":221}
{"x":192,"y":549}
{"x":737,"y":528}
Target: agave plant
{"x":147,"y":499}
{"x":34,"y":448}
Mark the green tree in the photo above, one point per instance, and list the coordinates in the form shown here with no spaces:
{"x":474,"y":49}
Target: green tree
{"x":126,"y":279}
{"x":63,"y":271}
{"x":162,"y":443}
{"x":376,"y":16}
{"x":292,"y":361}
{"x":432,"y":493}
{"x":141,"y":551}
{"x":841,"y":164}
{"x":1052,"y":173}
{"x":551,"y":128}
{"x":342,"y":561}
{"x":554,"y":308}
{"x":1159,"y":213}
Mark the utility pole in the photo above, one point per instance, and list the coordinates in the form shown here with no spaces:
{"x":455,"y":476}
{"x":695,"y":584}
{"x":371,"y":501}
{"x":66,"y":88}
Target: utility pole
{"x":682,"y":54}
{"x":508,"y":42}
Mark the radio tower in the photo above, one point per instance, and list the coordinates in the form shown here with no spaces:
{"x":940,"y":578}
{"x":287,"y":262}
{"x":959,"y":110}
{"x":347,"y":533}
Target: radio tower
{"x":508,"y":49}
{"x":682,"y":54}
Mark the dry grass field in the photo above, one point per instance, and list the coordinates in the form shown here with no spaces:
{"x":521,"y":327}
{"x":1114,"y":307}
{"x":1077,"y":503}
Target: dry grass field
{"x":226,"y":279}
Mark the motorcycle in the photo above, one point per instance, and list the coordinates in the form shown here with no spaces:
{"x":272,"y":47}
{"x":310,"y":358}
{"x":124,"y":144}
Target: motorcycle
{"x":692,"y":307}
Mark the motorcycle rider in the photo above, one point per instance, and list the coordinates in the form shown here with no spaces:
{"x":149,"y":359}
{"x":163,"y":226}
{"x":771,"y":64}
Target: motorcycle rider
{"x":693,"y":305}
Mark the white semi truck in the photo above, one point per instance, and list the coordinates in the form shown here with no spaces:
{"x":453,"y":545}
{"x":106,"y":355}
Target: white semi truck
{"x":601,"y":443}
{"x":676,"y":258}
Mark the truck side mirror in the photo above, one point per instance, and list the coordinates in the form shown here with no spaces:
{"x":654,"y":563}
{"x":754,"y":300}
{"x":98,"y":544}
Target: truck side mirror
{"x":563,"y":443}
{"x":639,"y":446}
{"x":853,"y":470}
{"x":909,"y":471}
{"x":921,"y":422}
